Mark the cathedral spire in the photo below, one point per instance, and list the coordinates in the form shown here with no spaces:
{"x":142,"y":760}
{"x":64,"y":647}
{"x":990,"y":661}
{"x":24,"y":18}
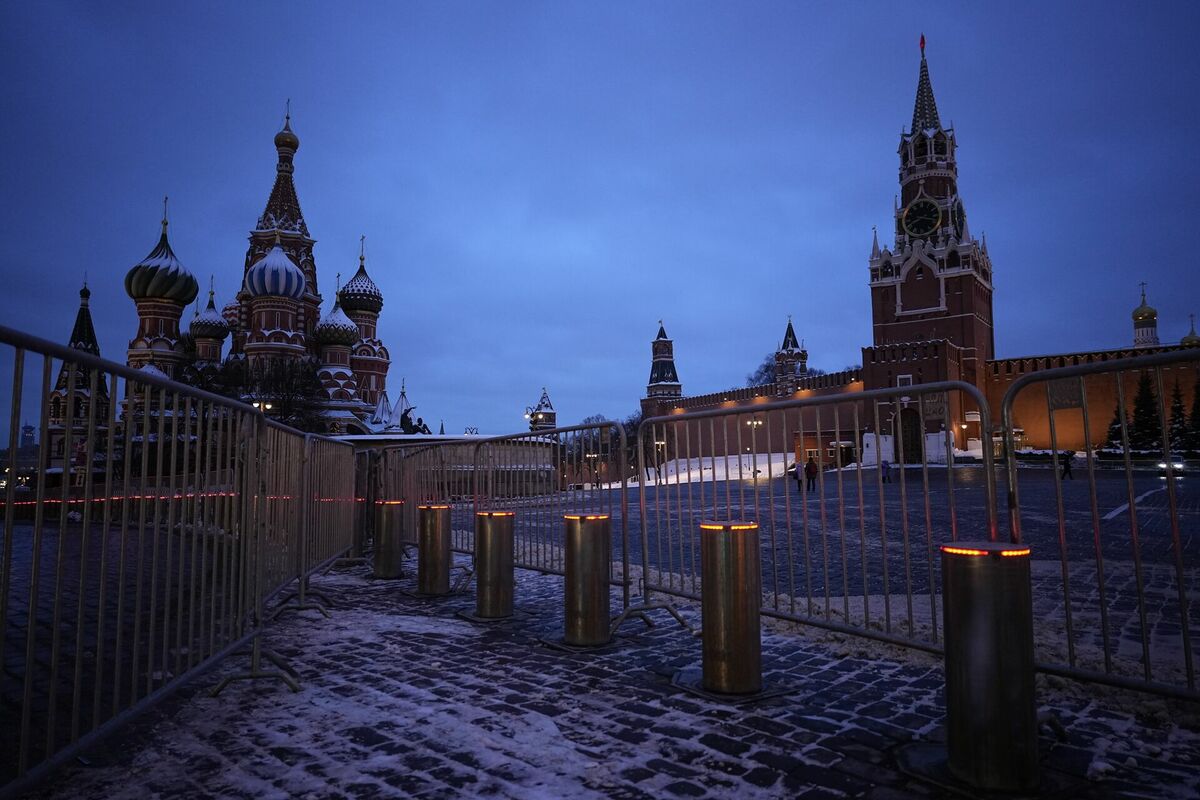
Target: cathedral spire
{"x":874,"y":243}
{"x":83,"y":335}
{"x":283,"y":206}
{"x":925,"y":113}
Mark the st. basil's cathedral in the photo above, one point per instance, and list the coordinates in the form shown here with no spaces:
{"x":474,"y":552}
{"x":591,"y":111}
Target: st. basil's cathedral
{"x":274,"y":319}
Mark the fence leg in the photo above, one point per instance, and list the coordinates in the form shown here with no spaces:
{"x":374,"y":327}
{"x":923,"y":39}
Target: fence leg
{"x":257,"y":654}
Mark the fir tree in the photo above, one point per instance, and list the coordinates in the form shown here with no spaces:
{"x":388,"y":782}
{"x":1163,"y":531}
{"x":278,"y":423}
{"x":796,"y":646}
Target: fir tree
{"x":1177,"y":429}
{"x":1193,"y":433}
{"x":1147,"y":429}
{"x":1113,"y":442}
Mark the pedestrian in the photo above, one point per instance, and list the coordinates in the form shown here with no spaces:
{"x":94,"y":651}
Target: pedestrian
{"x":797,"y":472}
{"x":1067,"y":458}
{"x":810,"y":475}
{"x":885,"y":468}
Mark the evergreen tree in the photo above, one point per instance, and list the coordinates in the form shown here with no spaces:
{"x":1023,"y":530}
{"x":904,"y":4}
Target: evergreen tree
{"x":1193,"y":433}
{"x":1147,"y":429}
{"x":1113,"y":442}
{"x":1177,"y":430}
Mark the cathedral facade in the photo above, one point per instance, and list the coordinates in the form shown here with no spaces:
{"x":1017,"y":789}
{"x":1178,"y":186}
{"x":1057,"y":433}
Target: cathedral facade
{"x":273,"y":323}
{"x":931,"y":320}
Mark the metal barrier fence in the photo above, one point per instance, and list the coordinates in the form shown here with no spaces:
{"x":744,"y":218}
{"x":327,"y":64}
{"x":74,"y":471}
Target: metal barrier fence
{"x":141,"y":537}
{"x":541,"y":475}
{"x":1117,"y":569}
{"x":851,"y":546}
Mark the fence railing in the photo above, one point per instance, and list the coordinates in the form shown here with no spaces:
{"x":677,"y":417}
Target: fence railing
{"x":1116,"y":570}
{"x":542,"y":475}
{"x":849,"y":539}
{"x":142,"y":536}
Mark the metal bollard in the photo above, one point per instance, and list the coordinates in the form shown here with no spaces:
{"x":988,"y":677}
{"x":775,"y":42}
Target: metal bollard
{"x":389,"y":535}
{"x":588,"y":544}
{"x":494,"y":564}
{"x":433,"y":549}
{"x":991,"y":717}
{"x":730,"y":600}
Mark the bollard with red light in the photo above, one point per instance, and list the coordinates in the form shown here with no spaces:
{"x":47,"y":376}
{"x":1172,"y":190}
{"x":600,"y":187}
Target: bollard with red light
{"x":434,"y":558}
{"x":731,"y":596}
{"x":389,"y":536}
{"x":494,"y":564}
{"x":588,"y":546}
{"x":991,"y":717}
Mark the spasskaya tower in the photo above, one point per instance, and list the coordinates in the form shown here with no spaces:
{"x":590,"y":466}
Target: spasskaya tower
{"x":931,"y":292}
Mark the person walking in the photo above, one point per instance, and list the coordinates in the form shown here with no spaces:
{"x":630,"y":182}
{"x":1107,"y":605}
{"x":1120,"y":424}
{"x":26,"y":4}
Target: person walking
{"x":1067,"y":458}
{"x":810,"y":475}
{"x":885,"y":467}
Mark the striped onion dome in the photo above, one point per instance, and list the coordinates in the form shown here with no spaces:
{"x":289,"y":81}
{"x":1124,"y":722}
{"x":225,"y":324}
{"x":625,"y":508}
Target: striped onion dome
{"x":160,"y":276}
{"x":360,"y":293}
{"x":336,"y":328}
{"x":209,"y":324}
{"x":275,"y":275}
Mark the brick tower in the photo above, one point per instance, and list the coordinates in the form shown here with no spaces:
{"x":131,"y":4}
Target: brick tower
{"x":931,"y":292}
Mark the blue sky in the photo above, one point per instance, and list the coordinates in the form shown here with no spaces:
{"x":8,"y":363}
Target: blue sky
{"x":539,"y":183}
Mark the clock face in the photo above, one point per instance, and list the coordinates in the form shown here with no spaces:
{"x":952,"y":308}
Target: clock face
{"x":922,"y":217}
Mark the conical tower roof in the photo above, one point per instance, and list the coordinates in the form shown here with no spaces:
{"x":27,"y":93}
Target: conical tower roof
{"x":83,"y":334}
{"x":925,"y":113}
{"x":790,"y":342}
{"x":282,"y":212}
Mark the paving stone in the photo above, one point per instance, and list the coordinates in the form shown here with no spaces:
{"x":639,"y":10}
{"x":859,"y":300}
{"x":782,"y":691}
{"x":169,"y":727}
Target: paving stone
{"x":400,"y":698}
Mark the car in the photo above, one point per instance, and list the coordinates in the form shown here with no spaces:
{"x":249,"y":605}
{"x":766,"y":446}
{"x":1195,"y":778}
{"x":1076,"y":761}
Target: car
{"x":1178,"y":468}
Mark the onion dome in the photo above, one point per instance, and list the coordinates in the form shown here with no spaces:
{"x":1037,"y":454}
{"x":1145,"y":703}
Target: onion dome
{"x":209,"y":324}
{"x":160,"y":276}
{"x":275,"y":275}
{"x":336,"y":328}
{"x":286,"y":139}
{"x":1192,"y":339}
{"x":1144,"y":312}
{"x":360,"y":292}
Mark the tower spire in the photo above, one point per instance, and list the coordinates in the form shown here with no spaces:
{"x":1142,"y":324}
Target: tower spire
{"x":874,"y":242}
{"x":925,"y":113}
{"x":164,"y":219}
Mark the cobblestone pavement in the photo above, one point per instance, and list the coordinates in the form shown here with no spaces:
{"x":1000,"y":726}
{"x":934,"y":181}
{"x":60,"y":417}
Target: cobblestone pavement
{"x":401,"y":698}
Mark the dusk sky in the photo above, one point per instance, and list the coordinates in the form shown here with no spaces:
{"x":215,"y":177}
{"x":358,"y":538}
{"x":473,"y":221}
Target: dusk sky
{"x":540,"y":183}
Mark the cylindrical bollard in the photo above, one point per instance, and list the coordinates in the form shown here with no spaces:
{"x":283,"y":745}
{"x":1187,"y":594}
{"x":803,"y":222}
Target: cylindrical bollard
{"x":494,"y":564}
{"x":991,"y":718}
{"x":433,"y":549}
{"x":731,"y":597}
{"x":389,"y":533}
{"x":588,"y":545}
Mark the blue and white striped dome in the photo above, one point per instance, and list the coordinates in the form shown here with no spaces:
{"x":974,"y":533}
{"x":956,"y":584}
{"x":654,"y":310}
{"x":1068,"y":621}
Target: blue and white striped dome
{"x":275,"y":275}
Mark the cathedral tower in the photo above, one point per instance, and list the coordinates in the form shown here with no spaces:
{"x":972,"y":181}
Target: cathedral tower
{"x":282,"y":225}
{"x":275,"y":295}
{"x":160,"y":288}
{"x":209,"y":330}
{"x":362,"y":301}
